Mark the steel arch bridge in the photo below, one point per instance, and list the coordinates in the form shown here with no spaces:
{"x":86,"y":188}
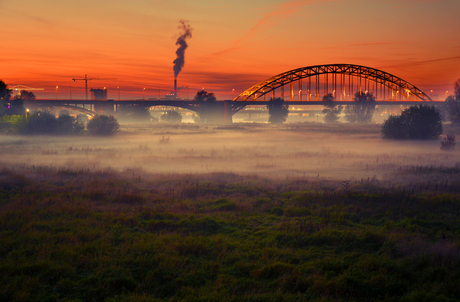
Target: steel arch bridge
{"x":342,"y":80}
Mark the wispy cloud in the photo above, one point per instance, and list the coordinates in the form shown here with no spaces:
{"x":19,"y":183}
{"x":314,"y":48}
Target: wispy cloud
{"x":415,"y":63}
{"x":269,"y":19}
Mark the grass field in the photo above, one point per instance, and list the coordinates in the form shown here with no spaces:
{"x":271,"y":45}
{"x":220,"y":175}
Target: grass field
{"x":76,"y":233}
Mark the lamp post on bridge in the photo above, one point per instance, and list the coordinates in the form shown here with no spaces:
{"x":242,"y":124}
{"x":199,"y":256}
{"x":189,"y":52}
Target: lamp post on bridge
{"x":56,"y":91}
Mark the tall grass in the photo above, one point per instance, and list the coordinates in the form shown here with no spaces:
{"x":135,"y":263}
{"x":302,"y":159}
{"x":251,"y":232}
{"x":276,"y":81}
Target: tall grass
{"x":75,"y":235}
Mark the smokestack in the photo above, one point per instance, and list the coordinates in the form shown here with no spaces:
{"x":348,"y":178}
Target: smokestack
{"x":175,"y":87}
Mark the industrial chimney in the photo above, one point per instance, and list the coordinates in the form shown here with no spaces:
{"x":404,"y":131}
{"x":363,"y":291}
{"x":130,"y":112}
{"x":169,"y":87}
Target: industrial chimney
{"x":175,"y":87}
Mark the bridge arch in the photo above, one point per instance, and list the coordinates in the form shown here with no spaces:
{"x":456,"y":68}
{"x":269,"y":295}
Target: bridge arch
{"x":342,"y":80}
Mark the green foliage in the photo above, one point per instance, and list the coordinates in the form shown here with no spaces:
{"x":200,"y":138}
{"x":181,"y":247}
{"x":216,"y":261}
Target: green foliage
{"x":103,"y":125}
{"x":11,"y":123}
{"x":46,"y":123}
{"x":331,"y":112}
{"x":278,"y":112}
{"x":81,"y":236}
{"x":172,"y":116}
{"x":362,"y":110}
{"x":415,"y":122}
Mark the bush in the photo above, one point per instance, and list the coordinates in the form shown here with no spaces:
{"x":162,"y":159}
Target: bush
{"x":46,"y":123}
{"x":40,"y":123}
{"x":448,"y":143}
{"x":103,"y":125}
{"x":416,"y":122}
{"x":172,"y":116}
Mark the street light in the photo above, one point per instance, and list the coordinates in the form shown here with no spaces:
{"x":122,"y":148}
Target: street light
{"x":143,"y":93}
{"x":27,"y":111}
{"x":118,"y":87}
{"x":56,"y":91}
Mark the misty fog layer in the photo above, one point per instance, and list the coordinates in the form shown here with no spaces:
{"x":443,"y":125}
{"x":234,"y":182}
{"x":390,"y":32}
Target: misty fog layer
{"x":337,"y":153}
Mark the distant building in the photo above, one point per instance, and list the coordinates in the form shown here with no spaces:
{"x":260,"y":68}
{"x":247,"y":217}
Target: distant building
{"x":99,"y":94}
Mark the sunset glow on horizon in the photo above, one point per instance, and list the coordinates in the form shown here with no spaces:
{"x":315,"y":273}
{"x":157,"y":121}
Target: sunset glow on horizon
{"x":234,"y":45}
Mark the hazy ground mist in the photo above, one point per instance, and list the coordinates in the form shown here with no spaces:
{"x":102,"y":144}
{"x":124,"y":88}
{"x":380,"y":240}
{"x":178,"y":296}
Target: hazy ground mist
{"x":342,"y":152}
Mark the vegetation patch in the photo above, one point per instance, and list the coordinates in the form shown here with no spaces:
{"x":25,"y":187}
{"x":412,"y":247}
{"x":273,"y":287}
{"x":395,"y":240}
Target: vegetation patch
{"x":111,"y":239}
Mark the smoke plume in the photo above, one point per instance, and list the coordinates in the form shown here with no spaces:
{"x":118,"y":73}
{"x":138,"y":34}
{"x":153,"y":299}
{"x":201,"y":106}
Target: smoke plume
{"x":185,"y":33}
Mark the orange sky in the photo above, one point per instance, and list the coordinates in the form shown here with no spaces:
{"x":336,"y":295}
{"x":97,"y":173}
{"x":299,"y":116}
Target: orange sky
{"x":235,"y":44}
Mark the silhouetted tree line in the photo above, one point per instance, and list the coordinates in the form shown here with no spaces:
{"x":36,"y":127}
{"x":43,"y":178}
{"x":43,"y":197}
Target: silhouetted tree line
{"x":47,"y":123}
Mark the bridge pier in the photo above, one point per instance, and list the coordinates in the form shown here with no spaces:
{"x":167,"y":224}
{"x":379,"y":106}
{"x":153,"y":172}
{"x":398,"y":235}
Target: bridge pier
{"x":227,"y":112}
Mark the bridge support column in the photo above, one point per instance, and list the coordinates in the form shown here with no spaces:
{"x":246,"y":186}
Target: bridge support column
{"x":227,"y":112}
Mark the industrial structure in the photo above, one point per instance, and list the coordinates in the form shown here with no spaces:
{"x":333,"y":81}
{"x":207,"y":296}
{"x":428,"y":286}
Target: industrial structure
{"x":305,"y":86}
{"x":342,"y":80}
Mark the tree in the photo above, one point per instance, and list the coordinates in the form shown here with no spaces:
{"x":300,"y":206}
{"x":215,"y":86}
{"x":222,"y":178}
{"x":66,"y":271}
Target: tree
{"x":5,"y":95}
{"x":66,"y":124}
{"x":416,"y":122}
{"x":27,"y":96}
{"x":103,"y":125}
{"x":46,"y":123}
{"x":362,"y":110}
{"x":331,"y":112}
{"x":207,"y":107}
{"x":134,"y":114}
{"x":277,"y":111}
{"x":452,"y":105}
{"x":172,"y":116}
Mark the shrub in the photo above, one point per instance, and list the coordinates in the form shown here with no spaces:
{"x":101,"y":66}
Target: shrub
{"x":448,"y":143}
{"x":416,"y":122}
{"x":40,"y":123}
{"x":64,"y":124}
{"x":172,"y":116}
{"x":103,"y":125}
{"x":46,"y":123}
